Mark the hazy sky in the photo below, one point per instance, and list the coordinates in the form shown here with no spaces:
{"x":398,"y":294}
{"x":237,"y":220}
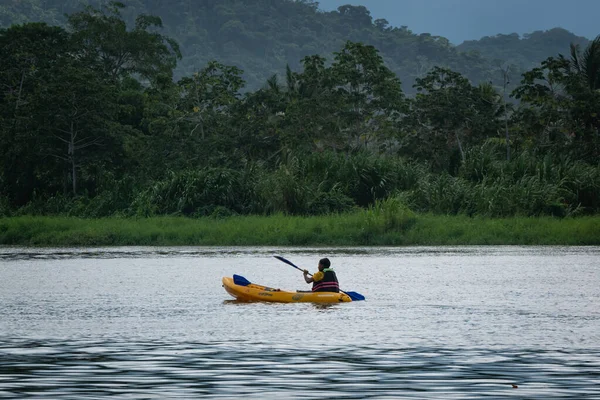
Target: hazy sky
{"x":460,"y":20}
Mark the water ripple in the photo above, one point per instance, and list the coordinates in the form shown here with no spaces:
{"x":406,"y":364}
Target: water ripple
{"x":438,"y":323}
{"x":28,"y":253}
{"x":91,"y":370}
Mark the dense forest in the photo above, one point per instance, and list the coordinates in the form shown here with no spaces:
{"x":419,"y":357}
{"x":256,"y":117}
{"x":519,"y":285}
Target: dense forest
{"x":94,"y":120}
{"x":262,"y":37}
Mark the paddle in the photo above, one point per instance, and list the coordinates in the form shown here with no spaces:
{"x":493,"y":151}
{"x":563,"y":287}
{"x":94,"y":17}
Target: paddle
{"x":353,"y":295}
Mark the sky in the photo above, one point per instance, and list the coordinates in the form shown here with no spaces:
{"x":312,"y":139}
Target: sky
{"x":460,"y":20}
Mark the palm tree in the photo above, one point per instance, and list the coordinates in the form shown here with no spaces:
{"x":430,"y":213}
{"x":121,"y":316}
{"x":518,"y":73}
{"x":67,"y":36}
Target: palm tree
{"x":583,"y":74}
{"x":586,"y":66}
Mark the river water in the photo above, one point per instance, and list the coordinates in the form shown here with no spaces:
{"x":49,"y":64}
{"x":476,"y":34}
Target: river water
{"x":438,"y":323}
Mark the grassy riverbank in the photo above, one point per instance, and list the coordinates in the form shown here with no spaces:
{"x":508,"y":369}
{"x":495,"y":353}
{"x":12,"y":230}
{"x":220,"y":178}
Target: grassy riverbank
{"x":359,"y":228}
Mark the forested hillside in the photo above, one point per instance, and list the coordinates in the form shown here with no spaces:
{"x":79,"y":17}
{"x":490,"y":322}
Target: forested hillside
{"x":93,"y":121}
{"x":263,"y":36}
{"x":524,"y":52}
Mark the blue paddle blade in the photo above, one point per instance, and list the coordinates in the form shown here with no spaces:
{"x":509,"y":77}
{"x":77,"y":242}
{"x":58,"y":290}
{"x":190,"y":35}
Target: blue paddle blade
{"x":355,"y":296}
{"x":240,"y":280}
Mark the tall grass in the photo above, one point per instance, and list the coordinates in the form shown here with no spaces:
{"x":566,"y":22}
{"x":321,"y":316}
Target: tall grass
{"x":488,"y":185}
{"x":325,"y":183}
{"x":387,"y":224}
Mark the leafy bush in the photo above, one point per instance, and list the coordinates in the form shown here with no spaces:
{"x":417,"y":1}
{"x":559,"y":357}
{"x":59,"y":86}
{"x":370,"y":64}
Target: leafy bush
{"x":193,"y":193}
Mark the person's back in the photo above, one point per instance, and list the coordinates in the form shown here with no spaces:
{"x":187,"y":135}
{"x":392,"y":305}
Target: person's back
{"x":325,"y":280}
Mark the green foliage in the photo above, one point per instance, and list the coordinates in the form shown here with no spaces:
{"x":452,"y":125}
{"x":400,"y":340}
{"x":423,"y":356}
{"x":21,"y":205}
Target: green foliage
{"x":31,"y":56}
{"x":369,"y":95}
{"x":193,"y":193}
{"x":449,"y":114}
{"x":61,"y":104}
{"x":206,"y":98}
{"x":563,"y":100}
{"x":102,"y":34}
{"x":92,"y":125}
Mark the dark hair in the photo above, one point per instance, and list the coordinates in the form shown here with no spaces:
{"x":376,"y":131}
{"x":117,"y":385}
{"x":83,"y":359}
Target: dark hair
{"x":325,"y":262}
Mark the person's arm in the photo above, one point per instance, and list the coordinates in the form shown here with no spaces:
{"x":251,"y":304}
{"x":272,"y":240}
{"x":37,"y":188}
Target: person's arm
{"x":307,"y":278}
{"x":317,"y":276}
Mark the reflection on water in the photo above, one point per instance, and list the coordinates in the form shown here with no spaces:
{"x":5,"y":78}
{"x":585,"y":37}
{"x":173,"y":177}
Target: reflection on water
{"x":439,"y":323}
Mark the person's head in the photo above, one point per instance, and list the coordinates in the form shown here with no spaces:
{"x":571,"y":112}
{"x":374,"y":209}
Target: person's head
{"x":324,"y":263}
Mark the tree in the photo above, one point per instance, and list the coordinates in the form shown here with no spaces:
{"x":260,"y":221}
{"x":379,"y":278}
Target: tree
{"x":449,"y":113}
{"x":310,"y":92}
{"x":382,"y":24}
{"x":103,"y":35}
{"x":29,"y":57}
{"x":586,"y":67}
{"x":80,"y":115}
{"x":505,"y":82}
{"x":370,"y":94}
{"x":194,"y":122}
{"x":564,"y":94}
{"x":358,"y":15}
{"x":209,"y":94}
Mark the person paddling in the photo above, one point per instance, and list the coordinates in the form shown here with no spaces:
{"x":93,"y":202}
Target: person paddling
{"x":325,"y":279}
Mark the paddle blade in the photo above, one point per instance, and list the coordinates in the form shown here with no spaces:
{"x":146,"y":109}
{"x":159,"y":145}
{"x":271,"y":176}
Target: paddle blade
{"x":286,"y":261}
{"x":355,"y":296}
{"x":240,"y":280}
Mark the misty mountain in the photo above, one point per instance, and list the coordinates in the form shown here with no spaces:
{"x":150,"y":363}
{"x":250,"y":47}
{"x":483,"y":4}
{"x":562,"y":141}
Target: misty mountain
{"x":462,"y":20}
{"x":527,"y":51}
{"x":263,"y":36}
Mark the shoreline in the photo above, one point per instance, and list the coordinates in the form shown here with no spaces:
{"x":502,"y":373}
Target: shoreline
{"x":360,"y":228}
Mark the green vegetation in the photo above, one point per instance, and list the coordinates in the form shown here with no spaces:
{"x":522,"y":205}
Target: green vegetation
{"x":261,"y":37}
{"x":364,"y":227}
{"x":93,"y":125}
{"x":325,"y":183}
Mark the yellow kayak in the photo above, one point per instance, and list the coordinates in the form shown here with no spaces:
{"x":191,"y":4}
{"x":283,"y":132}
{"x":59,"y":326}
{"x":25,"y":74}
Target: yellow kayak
{"x":243,"y":290}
